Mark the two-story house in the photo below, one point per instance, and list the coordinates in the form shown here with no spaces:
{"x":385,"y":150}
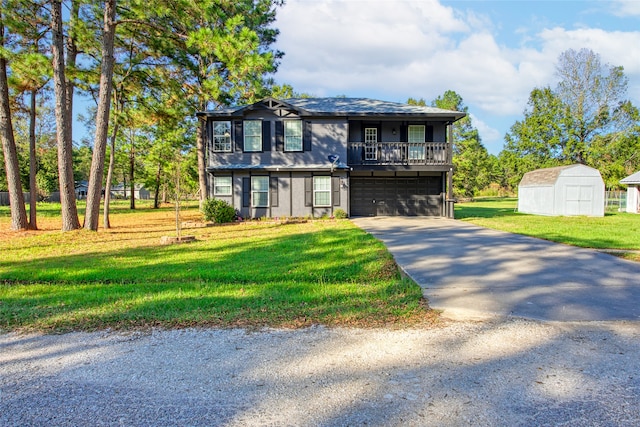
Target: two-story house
{"x":310,"y":156}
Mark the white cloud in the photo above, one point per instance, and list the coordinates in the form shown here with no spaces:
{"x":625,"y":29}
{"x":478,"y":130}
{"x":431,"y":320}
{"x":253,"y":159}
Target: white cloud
{"x":394,"y":50}
{"x":626,"y":8}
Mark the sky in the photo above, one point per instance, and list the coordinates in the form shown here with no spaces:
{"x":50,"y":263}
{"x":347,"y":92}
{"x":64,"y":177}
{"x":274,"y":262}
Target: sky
{"x":492,"y":53}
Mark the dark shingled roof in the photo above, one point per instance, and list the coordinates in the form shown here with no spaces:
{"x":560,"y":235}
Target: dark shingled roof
{"x":346,"y":107}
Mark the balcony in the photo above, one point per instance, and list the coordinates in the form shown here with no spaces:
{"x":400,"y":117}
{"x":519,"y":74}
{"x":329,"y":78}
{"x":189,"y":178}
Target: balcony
{"x":398,"y":154}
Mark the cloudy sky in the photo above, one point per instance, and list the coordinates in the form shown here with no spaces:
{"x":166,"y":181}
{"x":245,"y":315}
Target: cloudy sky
{"x":492,"y":53}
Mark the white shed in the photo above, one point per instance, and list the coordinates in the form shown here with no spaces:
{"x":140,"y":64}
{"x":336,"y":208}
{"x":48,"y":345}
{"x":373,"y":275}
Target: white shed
{"x":633,"y":192}
{"x":562,"y":191}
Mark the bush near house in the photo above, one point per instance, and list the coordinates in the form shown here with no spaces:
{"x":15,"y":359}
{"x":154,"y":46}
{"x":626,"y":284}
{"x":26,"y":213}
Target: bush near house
{"x":218,"y":211}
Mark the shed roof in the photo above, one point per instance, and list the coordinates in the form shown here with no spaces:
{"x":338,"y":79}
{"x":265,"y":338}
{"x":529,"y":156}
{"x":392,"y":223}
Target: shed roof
{"x":631,"y":179}
{"x":549,"y":176}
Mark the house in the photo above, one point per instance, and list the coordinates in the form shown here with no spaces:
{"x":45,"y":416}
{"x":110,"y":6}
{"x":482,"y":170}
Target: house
{"x":81,"y":189}
{"x":122,"y":191}
{"x":310,"y":156}
{"x":563,"y":190}
{"x":633,"y":192}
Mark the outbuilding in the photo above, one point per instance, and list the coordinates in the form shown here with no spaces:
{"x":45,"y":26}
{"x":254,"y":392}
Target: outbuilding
{"x":633,"y":192}
{"x":562,"y":191}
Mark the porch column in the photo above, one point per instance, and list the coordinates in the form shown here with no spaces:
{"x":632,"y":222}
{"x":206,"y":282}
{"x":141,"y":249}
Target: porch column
{"x":450,"y":202}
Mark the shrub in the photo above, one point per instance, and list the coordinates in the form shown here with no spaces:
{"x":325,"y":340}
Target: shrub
{"x":218,"y":211}
{"x":339,"y":214}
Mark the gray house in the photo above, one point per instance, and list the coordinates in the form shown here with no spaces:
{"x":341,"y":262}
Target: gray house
{"x":310,"y":156}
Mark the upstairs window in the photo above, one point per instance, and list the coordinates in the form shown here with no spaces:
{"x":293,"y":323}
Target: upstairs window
{"x":293,"y":135}
{"x":222,"y":137}
{"x":252,"y":135}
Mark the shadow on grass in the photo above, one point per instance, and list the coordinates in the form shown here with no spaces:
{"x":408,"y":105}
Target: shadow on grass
{"x":329,"y":276}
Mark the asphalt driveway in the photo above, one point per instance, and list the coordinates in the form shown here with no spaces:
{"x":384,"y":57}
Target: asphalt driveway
{"x":471,"y":272}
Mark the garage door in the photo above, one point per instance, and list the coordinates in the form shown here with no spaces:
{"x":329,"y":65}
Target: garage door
{"x":414,"y":196}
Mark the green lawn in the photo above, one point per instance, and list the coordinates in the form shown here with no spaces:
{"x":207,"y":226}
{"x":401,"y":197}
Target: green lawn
{"x":613,"y":231}
{"x":251,"y":275}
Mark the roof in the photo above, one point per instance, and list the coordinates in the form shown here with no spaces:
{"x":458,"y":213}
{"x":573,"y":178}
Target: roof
{"x":631,"y":179}
{"x":342,"y":107}
{"x":549,"y":176}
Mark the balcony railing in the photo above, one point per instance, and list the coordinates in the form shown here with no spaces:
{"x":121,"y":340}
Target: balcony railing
{"x":398,"y":153}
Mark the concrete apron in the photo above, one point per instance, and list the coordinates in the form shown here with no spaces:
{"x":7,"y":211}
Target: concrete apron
{"x":471,"y":273}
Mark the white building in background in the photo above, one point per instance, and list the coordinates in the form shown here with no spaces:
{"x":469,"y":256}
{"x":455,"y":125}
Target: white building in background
{"x":562,"y":191}
{"x":633,"y":192}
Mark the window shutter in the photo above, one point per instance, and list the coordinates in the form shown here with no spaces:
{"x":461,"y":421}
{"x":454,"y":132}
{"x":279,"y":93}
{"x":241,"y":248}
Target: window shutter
{"x":246,"y":192}
{"x":279,"y":136}
{"x":404,"y":133}
{"x":237,"y":134}
{"x":308,"y":191}
{"x":306,"y":136}
{"x":266,"y":136}
{"x":428,"y":134}
{"x":273,"y":189}
{"x":335,"y":189}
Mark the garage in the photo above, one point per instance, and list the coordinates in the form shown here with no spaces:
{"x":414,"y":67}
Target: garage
{"x":396,"y":196}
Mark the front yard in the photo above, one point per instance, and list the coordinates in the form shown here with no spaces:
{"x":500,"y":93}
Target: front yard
{"x":253,"y":274}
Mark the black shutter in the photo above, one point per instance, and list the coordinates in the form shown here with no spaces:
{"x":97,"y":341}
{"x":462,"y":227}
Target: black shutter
{"x":238,"y":136}
{"x":279,"y":136}
{"x":404,"y":133}
{"x":428,"y":134}
{"x":308,"y":191}
{"x":273,"y":189}
{"x":246,"y":192}
{"x":335,"y":189}
{"x":266,"y":136}
{"x":306,"y":135}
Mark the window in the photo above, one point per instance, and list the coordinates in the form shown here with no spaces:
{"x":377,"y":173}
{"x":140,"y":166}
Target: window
{"x":252,"y":135}
{"x":293,"y":135}
{"x":259,"y":191}
{"x":222,"y":186}
{"x":222,"y":136}
{"x":370,"y":140}
{"x":321,"y":191}
{"x":416,"y":142}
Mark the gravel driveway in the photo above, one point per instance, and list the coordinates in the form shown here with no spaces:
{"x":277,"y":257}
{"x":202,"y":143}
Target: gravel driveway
{"x":504,"y":372}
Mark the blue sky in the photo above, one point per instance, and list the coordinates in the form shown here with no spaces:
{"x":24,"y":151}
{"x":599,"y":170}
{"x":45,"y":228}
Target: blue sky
{"x":492,"y":53}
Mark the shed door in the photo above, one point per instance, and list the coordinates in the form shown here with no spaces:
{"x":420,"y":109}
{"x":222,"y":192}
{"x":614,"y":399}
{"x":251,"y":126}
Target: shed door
{"x":579,"y":199}
{"x":396,"y":196}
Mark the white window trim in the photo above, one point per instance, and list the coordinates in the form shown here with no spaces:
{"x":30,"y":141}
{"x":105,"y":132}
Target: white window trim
{"x":257,"y":136}
{"x":215,"y":186}
{"x":416,"y":147}
{"x":299,"y":147}
{"x":316,"y":192}
{"x":253,"y":192}
{"x":226,"y":136}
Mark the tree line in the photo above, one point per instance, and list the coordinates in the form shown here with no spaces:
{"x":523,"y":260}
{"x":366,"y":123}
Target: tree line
{"x":585,"y":119}
{"x":148,"y":66}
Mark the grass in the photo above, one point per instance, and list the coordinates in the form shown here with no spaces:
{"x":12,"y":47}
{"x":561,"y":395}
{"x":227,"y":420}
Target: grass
{"x":254,"y":274}
{"x":616,"y":230}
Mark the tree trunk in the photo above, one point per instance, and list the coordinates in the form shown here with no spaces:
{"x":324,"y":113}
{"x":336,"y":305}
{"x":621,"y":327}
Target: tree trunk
{"x":72,"y":53}
{"x":202,"y":174}
{"x":157,"y":189}
{"x":33,"y":186}
{"x":102,"y":118}
{"x":63,"y":132}
{"x":107,"y":187}
{"x":12,"y":169}
{"x":132,"y":167}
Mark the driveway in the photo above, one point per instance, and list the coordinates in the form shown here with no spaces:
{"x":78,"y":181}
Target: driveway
{"x":471,"y":272}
